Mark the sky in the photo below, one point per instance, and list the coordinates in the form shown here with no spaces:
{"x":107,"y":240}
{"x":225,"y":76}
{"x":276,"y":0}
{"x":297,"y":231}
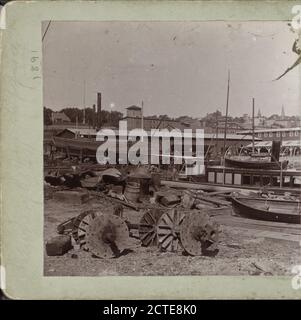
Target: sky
{"x":175,"y":68}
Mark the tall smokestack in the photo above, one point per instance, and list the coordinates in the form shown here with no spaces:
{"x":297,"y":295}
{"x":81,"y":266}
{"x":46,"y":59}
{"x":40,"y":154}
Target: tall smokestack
{"x":94,"y":116}
{"x":98,"y":123}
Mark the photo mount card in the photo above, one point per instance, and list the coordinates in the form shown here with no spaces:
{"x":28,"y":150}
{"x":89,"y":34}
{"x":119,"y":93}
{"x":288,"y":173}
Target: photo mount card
{"x":94,"y":205}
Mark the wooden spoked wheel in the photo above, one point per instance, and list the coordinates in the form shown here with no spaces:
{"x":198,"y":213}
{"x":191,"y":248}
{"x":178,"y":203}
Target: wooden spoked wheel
{"x":148,"y":225}
{"x":169,"y":229}
{"x":81,"y":225}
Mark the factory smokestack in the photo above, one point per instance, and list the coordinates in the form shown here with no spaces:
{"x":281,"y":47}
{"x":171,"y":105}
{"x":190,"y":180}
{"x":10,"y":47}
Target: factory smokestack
{"x":94,"y":116}
{"x":98,"y":123}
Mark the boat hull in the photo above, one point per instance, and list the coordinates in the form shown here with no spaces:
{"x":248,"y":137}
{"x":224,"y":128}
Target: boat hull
{"x":266,"y":165}
{"x":77,"y":147}
{"x":257,"y":209}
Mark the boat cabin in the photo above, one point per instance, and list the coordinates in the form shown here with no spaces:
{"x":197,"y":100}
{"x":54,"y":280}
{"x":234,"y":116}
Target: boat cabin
{"x":290,"y":178}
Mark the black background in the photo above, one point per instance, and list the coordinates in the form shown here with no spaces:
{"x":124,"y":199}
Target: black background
{"x":89,"y":310}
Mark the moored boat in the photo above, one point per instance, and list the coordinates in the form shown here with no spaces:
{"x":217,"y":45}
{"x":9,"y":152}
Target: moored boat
{"x":255,"y":163}
{"x":288,"y":211}
{"x":76,"y":147}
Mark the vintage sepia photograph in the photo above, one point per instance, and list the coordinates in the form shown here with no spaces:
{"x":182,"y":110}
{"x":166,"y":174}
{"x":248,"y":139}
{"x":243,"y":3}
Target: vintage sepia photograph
{"x":171,"y":148}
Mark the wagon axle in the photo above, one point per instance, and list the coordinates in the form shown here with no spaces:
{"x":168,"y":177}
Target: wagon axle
{"x":107,"y":235}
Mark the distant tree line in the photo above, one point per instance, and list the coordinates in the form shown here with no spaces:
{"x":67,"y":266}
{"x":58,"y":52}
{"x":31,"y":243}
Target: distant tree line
{"x":47,"y":116}
{"x":77,"y":115}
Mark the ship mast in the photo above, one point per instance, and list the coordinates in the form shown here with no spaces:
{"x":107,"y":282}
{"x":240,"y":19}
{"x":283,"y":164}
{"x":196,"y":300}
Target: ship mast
{"x":253,"y":125}
{"x":226,"y":125}
{"x":216,"y":134}
{"x":226,"y":121}
{"x":84,"y":103}
{"x":142,"y":125}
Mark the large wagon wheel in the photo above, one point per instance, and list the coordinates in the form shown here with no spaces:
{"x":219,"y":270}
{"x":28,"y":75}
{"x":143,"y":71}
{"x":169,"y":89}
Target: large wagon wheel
{"x":199,"y":234}
{"x":107,"y":236}
{"x":168,"y":230}
{"x":148,"y":225}
{"x":80,"y":226}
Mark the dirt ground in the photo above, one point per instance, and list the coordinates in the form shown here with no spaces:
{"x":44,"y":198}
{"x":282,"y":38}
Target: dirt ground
{"x":240,"y":252}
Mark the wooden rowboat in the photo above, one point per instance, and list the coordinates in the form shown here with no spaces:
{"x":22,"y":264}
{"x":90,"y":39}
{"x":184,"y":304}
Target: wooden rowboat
{"x":288,"y":211}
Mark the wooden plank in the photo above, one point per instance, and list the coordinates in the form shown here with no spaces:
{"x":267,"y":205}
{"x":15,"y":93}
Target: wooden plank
{"x":216,"y":201}
{"x":258,"y":224}
{"x":219,"y":187}
{"x":228,"y":216}
{"x":219,"y":193}
{"x":102,"y":195}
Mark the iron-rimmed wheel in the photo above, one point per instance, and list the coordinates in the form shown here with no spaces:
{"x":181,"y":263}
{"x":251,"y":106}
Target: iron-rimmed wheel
{"x":107,"y":236}
{"x":199,"y":233}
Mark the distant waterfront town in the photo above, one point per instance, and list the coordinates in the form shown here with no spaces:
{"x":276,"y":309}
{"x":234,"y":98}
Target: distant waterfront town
{"x":85,"y":122}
